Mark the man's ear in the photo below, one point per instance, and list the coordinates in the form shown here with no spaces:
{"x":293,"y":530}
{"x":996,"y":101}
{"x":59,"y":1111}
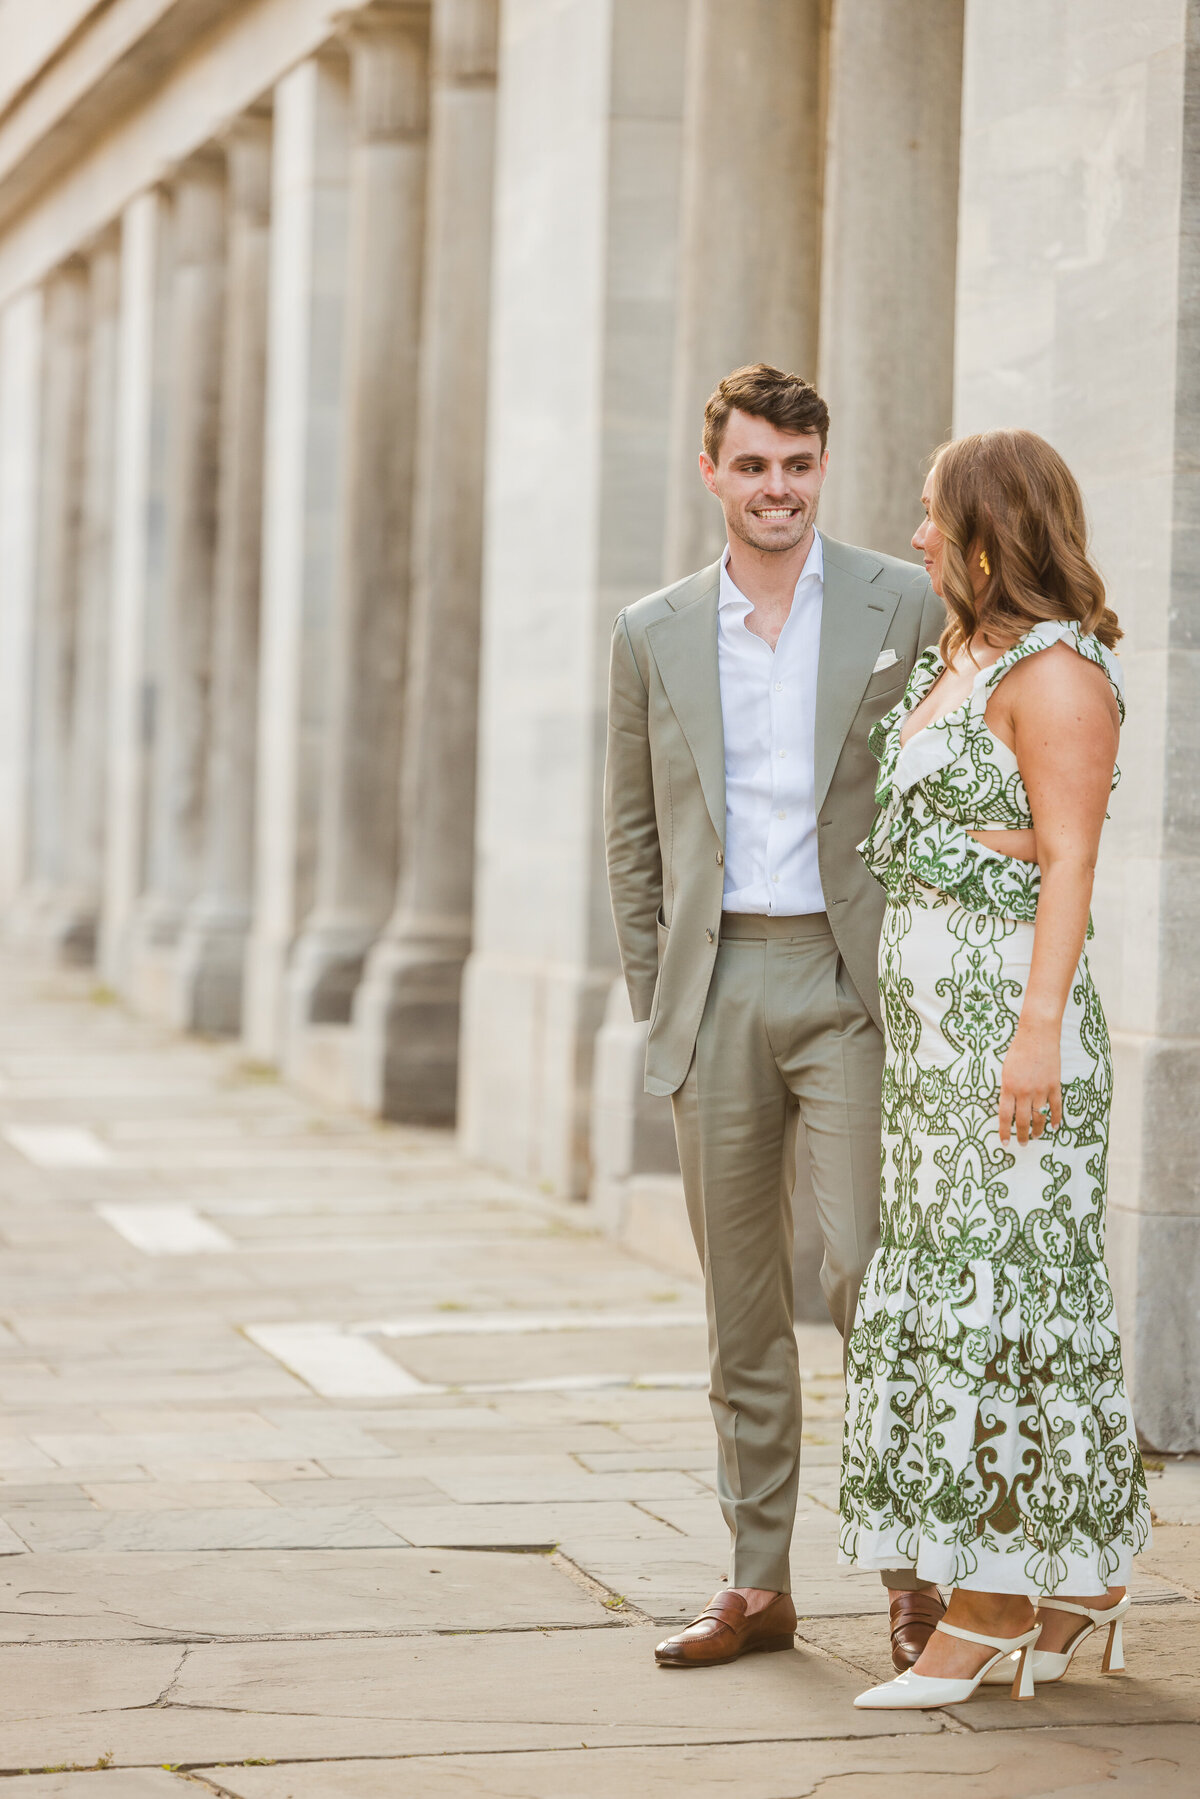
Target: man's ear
{"x":708,"y":472}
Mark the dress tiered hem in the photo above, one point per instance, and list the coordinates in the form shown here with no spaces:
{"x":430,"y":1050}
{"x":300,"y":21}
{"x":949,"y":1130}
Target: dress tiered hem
{"x":1082,"y":1577}
{"x":988,"y":1439}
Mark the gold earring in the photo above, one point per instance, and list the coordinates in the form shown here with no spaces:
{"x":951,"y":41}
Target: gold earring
{"x":984,"y":564}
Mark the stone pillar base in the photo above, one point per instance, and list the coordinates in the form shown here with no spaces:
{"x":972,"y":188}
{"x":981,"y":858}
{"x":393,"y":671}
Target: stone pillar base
{"x":264,"y":999}
{"x":57,"y":925}
{"x":1153,"y":1235}
{"x":529,"y":1033}
{"x":633,"y":1134}
{"x":150,"y":958}
{"x":319,"y":1059}
{"x":210,"y":972}
{"x":406,"y":1019}
{"x":71,"y":934}
{"x":326,"y":967}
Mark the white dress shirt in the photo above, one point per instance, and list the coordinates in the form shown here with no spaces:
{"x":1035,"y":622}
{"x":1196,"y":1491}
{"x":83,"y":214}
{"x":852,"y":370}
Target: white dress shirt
{"x":769,"y":710}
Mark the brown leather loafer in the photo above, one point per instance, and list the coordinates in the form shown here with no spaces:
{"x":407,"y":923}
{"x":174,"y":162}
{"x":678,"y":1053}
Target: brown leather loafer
{"x":723,"y":1632}
{"x":913,"y":1617}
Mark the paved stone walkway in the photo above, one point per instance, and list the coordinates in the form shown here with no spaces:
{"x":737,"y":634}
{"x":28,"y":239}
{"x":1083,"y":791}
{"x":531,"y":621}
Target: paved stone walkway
{"x":332,"y":1468}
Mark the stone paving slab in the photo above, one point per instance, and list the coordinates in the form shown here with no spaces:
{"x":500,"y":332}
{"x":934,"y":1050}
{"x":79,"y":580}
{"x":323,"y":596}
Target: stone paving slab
{"x":1174,"y":1556}
{"x":457,"y":1361}
{"x":118,"y":1783}
{"x":57,"y":1681}
{"x":495,"y":1526}
{"x":672,"y":1579}
{"x":564,"y":1446}
{"x":315,"y":1438}
{"x":644,"y":1461}
{"x":1139,"y":1763}
{"x":406,"y":1490}
{"x":479,"y":1481}
{"x":472,"y":1692}
{"x":272,"y":1527}
{"x":176,"y":1496}
{"x":58,"y":1598}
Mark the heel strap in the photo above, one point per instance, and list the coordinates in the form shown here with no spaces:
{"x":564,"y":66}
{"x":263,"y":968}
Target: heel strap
{"x":1001,"y":1643}
{"x":1096,"y":1614}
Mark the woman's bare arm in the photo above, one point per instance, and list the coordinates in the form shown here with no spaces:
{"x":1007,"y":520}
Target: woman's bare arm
{"x":1065,"y":725}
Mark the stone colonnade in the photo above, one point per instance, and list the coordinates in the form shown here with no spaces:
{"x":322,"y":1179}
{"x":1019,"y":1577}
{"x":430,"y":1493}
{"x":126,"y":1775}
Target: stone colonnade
{"x":331,"y":444}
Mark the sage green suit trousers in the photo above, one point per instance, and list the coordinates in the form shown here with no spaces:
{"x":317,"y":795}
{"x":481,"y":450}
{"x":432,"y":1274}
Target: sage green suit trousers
{"x":784,"y":1035}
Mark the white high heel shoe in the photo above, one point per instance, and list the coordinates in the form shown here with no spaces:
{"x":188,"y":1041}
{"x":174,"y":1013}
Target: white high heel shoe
{"x":1051,"y":1664}
{"x":915,"y":1692}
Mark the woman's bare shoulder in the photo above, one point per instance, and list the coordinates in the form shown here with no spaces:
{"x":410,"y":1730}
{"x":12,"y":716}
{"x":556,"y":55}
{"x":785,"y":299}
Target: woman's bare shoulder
{"x":1059,"y":682}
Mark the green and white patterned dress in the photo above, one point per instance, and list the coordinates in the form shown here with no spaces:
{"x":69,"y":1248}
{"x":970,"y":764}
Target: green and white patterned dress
{"x":988,"y":1439}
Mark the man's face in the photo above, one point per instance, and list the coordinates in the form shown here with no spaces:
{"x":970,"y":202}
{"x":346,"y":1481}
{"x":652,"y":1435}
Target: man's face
{"x":767,"y":480}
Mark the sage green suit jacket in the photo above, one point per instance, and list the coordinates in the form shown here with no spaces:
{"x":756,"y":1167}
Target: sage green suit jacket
{"x":664,"y":791}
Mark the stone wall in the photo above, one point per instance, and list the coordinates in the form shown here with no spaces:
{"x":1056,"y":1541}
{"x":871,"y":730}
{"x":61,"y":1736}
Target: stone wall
{"x":1076,"y":316}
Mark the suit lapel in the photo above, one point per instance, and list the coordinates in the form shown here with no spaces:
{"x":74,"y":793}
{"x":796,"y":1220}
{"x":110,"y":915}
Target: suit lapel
{"x":855,"y":615}
{"x":685,"y":650}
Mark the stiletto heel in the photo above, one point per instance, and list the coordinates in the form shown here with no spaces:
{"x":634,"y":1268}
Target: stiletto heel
{"x":1051,"y":1664}
{"x":1114,"y":1650}
{"x":914,"y":1692}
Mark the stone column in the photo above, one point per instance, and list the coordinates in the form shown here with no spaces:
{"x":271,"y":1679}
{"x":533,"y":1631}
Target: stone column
{"x":749,"y":283}
{"x":751,"y":233}
{"x":20,"y":436}
{"x":184,"y":662}
{"x":76,"y":913}
{"x":137,"y":563}
{"x":588,"y":153}
{"x":59,"y":546}
{"x":406,"y":1010}
{"x":888,"y":260}
{"x":208,"y":978}
{"x":300,"y":501}
{"x":356,"y":862}
{"x":1076,"y":318}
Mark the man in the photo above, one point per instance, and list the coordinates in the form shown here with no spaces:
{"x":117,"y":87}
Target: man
{"x":738,"y":784}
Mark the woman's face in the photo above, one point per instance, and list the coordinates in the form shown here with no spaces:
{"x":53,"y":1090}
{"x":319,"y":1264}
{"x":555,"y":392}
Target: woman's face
{"x":929,"y":540}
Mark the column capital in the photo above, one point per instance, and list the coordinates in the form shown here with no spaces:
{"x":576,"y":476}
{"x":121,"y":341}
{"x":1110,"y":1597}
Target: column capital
{"x":198,"y":193}
{"x":72,"y":268}
{"x":465,"y":41}
{"x":105,"y":242}
{"x":388,"y":42}
{"x":104,"y":266}
{"x":246,"y":142}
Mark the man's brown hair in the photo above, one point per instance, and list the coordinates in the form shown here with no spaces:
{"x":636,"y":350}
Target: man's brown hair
{"x":786,"y":401}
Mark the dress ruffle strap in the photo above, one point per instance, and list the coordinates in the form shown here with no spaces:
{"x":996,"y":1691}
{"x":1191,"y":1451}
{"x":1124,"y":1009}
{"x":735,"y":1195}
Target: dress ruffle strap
{"x":923,"y":831}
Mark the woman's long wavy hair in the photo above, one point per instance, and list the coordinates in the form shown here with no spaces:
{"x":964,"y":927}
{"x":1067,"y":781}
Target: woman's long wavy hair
{"x":1010,"y":497}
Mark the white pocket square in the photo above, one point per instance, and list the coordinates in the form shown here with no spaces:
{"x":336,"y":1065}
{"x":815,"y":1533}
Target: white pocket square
{"x":884,"y":659}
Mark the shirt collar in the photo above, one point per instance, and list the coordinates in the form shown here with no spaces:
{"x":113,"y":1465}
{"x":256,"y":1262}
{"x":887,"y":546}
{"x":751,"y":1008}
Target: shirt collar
{"x":813,"y":570}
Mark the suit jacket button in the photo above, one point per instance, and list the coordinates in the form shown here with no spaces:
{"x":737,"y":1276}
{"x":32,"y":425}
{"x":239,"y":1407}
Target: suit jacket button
{"x":710,"y":936}
{"x":720,"y":858}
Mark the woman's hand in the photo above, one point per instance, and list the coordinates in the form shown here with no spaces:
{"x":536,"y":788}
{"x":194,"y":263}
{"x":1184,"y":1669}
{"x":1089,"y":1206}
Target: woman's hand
{"x":1030,"y":1083}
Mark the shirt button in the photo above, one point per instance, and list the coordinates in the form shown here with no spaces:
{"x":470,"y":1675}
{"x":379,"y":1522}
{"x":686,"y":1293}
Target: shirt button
{"x":779,"y":686}
{"x":710,"y":936}
{"x":775,"y":878}
{"x":781,"y":815}
{"x":782,"y":755}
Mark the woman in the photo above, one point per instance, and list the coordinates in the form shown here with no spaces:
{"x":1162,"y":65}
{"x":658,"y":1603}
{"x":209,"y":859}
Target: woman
{"x":988,"y":1434}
